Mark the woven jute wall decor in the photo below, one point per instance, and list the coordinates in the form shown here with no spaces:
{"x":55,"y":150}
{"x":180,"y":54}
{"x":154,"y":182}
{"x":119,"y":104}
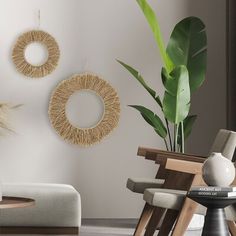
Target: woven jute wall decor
{"x":77,"y":135}
{"x":18,"y":54}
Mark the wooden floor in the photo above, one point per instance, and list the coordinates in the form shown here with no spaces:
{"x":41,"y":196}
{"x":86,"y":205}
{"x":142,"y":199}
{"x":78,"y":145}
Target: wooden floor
{"x":109,"y":228}
{"x":115,"y":227}
{"x":110,"y":231}
{"x":85,"y":231}
{"x":107,"y":231}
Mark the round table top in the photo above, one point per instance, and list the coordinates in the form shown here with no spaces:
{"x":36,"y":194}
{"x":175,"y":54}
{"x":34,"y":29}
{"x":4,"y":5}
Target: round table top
{"x":213,"y":201}
{"x":209,"y":197}
{"x":16,"y":202}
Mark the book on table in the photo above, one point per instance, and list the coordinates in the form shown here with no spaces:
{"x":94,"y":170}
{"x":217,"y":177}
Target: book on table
{"x":213,"y":191}
{"x":213,"y":188}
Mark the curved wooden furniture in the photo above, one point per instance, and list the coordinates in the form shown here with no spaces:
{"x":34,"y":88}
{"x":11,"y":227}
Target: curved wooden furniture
{"x":150,"y":216}
{"x":16,"y":202}
{"x":186,"y":171}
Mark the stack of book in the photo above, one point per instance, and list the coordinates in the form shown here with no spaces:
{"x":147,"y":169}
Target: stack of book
{"x":213,"y":191}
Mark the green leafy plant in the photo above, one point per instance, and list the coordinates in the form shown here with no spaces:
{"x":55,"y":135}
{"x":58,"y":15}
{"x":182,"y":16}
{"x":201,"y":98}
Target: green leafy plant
{"x":183,"y":72}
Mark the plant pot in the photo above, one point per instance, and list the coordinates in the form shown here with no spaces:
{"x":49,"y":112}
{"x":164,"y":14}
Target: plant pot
{"x":218,"y":170}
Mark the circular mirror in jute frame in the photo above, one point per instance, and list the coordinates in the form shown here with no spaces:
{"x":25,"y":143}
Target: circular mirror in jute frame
{"x":60,"y":97}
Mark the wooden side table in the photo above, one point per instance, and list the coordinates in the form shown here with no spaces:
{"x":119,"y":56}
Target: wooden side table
{"x":16,"y":202}
{"x":215,"y":222}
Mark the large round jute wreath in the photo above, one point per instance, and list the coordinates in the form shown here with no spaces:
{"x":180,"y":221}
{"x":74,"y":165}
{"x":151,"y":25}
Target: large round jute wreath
{"x":58,"y":102}
{"x":35,"y":71}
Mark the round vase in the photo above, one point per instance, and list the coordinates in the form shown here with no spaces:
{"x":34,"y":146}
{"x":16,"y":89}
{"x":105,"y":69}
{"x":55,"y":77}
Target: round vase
{"x":218,"y":170}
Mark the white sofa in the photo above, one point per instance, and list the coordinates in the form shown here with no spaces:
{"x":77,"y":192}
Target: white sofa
{"x":57,"y":209}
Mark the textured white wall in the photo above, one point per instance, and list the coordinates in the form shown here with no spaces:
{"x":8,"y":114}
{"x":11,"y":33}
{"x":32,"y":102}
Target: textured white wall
{"x":91,"y":35}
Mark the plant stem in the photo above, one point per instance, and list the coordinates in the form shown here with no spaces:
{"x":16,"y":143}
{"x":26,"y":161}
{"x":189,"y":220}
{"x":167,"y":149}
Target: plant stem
{"x":176,"y":127}
{"x":167,"y":148}
{"x":168,"y":131}
{"x":182,"y":136}
{"x":174,"y":137}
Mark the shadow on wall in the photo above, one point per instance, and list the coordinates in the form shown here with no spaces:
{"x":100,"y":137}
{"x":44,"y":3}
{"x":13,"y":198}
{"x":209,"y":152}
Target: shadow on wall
{"x":209,"y":102}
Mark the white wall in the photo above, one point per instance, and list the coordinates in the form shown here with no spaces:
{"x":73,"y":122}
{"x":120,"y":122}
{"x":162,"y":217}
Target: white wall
{"x":210,"y":101}
{"x":97,"y":32}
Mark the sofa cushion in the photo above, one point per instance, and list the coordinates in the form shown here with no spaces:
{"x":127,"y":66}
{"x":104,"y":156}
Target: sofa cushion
{"x":56,"y":205}
{"x":165,"y":198}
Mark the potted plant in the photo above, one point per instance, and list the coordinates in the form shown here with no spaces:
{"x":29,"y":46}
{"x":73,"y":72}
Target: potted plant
{"x":183,"y":72}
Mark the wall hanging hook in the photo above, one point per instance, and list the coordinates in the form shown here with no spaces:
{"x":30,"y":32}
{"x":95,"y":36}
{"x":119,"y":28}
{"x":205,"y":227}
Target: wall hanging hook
{"x":39,"y":18}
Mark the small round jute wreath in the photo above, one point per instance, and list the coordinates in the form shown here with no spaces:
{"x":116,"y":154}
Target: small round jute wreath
{"x":18,"y":54}
{"x":91,"y":135}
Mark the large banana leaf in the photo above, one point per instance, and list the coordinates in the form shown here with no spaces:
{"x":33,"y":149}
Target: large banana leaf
{"x":152,"y":119}
{"x":140,"y":79}
{"x":176,"y":102}
{"x":153,"y":23}
{"x":188,"y":46}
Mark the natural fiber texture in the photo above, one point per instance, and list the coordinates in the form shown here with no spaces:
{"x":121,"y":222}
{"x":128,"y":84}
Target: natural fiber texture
{"x":18,"y":54}
{"x":84,"y":136}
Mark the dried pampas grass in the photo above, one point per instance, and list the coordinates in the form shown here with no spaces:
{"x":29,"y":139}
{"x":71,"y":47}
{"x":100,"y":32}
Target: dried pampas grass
{"x":18,"y":54}
{"x":5,"y":108}
{"x":84,"y":136}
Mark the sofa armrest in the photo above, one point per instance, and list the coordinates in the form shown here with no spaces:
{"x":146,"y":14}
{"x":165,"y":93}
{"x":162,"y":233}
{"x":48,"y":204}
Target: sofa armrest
{"x":184,"y":166}
{"x":154,"y":154}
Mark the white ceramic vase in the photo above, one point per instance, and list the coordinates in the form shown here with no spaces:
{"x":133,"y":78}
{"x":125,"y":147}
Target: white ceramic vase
{"x":218,"y":170}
